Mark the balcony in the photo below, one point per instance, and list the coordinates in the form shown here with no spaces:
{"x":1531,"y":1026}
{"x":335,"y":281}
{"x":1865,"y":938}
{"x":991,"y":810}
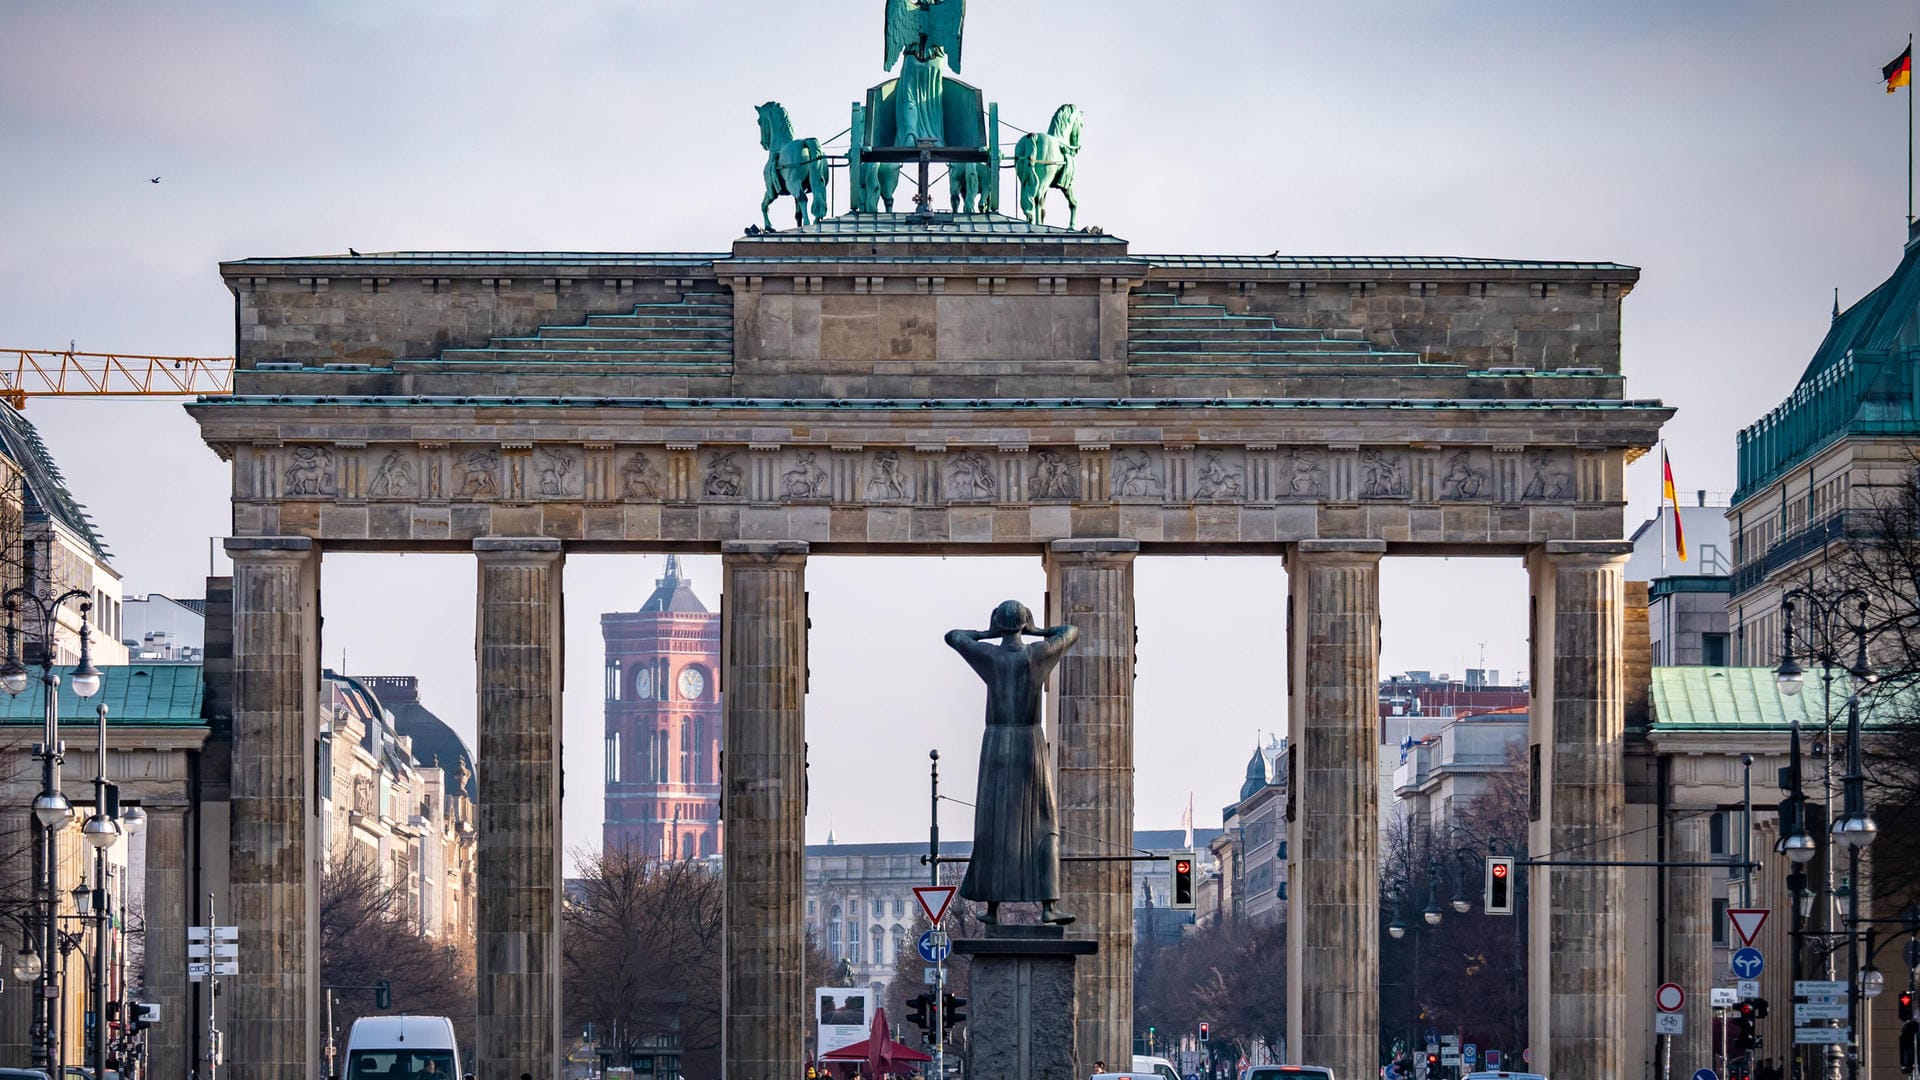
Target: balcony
{"x":1790,"y":549}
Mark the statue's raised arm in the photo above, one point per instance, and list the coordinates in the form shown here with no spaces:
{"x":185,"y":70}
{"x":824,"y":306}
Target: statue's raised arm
{"x":918,"y":27}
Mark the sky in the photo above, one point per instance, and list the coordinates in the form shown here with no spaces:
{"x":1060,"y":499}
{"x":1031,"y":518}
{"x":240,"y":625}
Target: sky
{"x":1743,"y":154}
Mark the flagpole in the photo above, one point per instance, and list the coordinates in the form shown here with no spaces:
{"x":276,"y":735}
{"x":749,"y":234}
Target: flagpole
{"x":1660,"y":514}
{"x":1909,"y":132}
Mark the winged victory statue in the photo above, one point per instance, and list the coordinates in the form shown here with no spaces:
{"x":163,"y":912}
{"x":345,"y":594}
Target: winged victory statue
{"x":927,"y":33}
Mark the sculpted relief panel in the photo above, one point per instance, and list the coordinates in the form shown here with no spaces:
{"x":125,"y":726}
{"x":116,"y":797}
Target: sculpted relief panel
{"x":892,"y":476}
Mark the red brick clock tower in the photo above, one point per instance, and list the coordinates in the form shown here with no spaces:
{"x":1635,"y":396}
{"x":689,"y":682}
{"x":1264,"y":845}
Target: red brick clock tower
{"x":663,"y":723}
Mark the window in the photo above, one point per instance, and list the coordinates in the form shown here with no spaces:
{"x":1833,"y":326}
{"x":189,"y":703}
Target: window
{"x":613,"y":758}
{"x":899,"y":908}
{"x":1713,"y":650}
{"x":879,"y":909}
{"x":613,"y":680}
{"x":1717,"y":833}
{"x":1719,"y":922}
{"x":879,"y":944}
{"x":833,"y":931}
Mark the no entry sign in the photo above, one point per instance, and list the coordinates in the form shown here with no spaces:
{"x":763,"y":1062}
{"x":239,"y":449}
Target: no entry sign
{"x":1669,"y":998}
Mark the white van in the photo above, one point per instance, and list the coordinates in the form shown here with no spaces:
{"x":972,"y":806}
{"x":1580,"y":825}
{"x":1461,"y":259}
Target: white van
{"x":1157,"y":1067}
{"x":402,"y":1048}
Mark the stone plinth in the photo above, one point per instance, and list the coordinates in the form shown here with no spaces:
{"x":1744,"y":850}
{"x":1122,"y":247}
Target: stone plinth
{"x":763,"y":685}
{"x":1576,"y":971}
{"x":1333,"y":1005}
{"x":518,"y":873}
{"x":273,"y":1029}
{"x":1023,"y":1014}
{"x":1090,"y":585}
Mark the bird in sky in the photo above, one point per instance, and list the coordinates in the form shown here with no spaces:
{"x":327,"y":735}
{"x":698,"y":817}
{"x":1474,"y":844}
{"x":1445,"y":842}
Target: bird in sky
{"x":153,"y":180}
{"x":353,"y":253}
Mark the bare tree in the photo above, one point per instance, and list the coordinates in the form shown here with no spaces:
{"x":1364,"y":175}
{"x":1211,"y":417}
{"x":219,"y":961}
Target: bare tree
{"x":366,"y":936}
{"x":642,"y":951}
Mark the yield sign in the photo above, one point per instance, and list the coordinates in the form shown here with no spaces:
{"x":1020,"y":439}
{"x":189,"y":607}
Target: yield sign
{"x":1747,"y":922}
{"x":934,"y":900}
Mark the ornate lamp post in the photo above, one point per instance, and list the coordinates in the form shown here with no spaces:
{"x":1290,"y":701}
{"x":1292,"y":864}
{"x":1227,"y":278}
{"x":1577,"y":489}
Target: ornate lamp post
{"x":50,"y":808}
{"x":1854,"y":829}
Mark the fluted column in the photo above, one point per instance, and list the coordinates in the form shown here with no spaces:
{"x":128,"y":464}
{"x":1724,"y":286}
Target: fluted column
{"x":1090,"y":586}
{"x":165,"y":963}
{"x":1690,"y":940}
{"x":1333,"y":671}
{"x":275,"y":870}
{"x":1577,"y":946}
{"x":763,"y":681}
{"x":518,"y":872}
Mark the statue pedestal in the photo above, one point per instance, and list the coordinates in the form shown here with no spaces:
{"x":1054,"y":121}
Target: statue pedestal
{"x":1021,"y":1026}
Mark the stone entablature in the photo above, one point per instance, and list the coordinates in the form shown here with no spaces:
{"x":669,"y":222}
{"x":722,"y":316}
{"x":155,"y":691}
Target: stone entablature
{"x":1157,"y":472}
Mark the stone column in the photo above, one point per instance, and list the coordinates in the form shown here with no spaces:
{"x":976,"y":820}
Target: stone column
{"x":518,"y":858}
{"x":18,"y":841}
{"x":271,"y":1017}
{"x":1333,"y":671}
{"x":1577,"y":945}
{"x":1690,"y":939}
{"x":763,"y":681}
{"x":1090,"y":586}
{"x":165,"y":966}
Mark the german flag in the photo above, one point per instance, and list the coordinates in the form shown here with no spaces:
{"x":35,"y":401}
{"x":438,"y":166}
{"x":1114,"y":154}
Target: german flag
{"x":1900,"y":72}
{"x":1673,"y":500}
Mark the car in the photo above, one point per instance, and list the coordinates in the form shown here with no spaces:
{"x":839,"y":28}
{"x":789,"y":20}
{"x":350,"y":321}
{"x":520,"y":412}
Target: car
{"x":1501,"y":1074}
{"x":23,"y":1074}
{"x":1289,"y":1072}
{"x":404,"y":1047}
{"x":1158,"y":1068}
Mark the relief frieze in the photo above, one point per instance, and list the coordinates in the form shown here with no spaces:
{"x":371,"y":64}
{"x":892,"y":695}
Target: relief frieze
{"x":854,"y":475}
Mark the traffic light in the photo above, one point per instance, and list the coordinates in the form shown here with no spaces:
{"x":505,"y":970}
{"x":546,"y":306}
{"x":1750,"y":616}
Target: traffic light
{"x":1906,"y":1004}
{"x":1746,"y":1037}
{"x":383,"y":994}
{"x":950,"y":1014}
{"x":1909,"y":1037}
{"x":1205,"y":1030}
{"x":145,"y":1014}
{"x":1183,"y":864}
{"x":918,"y":1010}
{"x":1498,"y":899}
{"x":1759,"y":1008}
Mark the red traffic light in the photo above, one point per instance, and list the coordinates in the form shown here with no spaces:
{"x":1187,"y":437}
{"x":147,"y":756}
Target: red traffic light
{"x":1433,"y":1059}
{"x":1500,"y":869}
{"x":1746,"y":1010}
{"x":1182,"y":866}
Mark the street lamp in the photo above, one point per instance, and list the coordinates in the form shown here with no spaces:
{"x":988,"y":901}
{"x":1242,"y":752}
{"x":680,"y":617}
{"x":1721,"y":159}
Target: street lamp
{"x":50,"y":808}
{"x":1854,"y":828}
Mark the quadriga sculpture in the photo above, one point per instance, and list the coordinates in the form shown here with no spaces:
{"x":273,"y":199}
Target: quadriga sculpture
{"x":795,"y":167}
{"x":1046,"y":161}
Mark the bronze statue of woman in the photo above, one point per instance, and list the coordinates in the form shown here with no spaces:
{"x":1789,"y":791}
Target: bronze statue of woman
{"x":1016,"y":832}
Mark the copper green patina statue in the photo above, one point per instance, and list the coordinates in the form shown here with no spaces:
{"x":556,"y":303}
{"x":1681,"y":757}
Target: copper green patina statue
{"x":1016,"y":831}
{"x":795,"y":167}
{"x":1046,"y":161}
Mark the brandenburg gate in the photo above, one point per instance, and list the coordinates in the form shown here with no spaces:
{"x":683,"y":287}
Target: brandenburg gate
{"x":929,"y":383}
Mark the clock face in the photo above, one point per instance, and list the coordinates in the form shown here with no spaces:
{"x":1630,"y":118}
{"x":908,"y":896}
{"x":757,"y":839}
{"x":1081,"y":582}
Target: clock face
{"x":643,"y":683}
{"x":692,"y":683}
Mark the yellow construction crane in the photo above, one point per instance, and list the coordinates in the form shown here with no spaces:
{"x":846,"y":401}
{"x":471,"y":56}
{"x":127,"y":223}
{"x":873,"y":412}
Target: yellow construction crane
{"x":31,"y":373}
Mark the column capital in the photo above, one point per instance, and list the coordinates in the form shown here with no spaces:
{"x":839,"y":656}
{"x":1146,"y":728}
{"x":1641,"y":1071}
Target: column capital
{"x":1112,"y":550}
{"x":766,"y":552}
{"x":270,"y":548}
{"x":523,"y":547}
{"x":1589,"y":552}
{"x":1337,"y":550}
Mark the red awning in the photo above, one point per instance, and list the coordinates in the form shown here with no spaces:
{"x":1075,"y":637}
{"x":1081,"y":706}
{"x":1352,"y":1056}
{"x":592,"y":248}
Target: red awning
{"x":881,"y":1055}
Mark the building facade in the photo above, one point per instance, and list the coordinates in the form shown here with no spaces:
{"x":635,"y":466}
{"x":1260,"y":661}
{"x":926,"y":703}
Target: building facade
{"x":1815,"y":466}
{"x":413,"y":822}
{"x":161,"y":629}
{"x":663,"y":723}
{"x":1248,"y":878}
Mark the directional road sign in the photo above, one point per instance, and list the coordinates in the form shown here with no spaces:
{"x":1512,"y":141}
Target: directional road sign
{"x":1819,"y":988}
{"x":1747,"y":963}
{"x":935,"y":946}
{"x":1747,"y":922}
{"x":1822,"y":1036}
{"x":934,"y":900}
{"x":1669,"y":998}
{"x":1806,"y":1011}
{"x":1672,"y":1023}
{"x":1706,"y":1074}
